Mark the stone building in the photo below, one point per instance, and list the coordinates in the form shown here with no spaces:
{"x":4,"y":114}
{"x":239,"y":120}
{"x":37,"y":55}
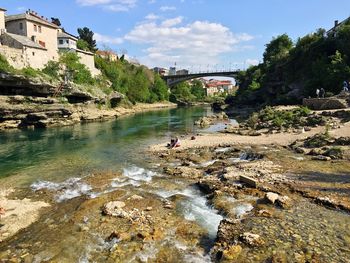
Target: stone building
{"x":36,"y":28}
{"x":107,"y":54}
{"x":30,"y":40}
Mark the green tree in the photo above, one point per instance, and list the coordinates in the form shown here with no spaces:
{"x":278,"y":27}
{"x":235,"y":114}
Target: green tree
{"x":277,"y":49}
{"x":52,"y":68}
{"x":83,"y":45}
{"x":182,"y":91}
{"x":197,"y":89}
{"x":87,"y":35}
{"x":81,"y":75}
{"x":159,"y":90}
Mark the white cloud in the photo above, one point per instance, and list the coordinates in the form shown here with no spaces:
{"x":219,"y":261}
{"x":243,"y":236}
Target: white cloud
{"x":103,"y":39}
{"x":252,"y":62}
{"x":169,"y":41}
{"x":152,"y":16}
{"x":167,"y":8}
{"x":172,"y":22}
{"x":93,"y":2}
{"x":111,"y":5}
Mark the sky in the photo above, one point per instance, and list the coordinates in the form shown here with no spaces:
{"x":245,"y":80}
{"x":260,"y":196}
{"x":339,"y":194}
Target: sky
{"x":198,"y":35}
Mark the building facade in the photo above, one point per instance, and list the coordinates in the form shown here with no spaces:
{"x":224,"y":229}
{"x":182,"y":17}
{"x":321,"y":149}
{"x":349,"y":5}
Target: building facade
{"x":30,"y":40}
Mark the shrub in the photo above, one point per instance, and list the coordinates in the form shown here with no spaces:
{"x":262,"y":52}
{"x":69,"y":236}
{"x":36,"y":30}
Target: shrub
{"x":253,"y":120}
{"x":5,"y":65}
{"x":29,"y":72}
{"x":52,"y":69}
{"x":81,"y":75}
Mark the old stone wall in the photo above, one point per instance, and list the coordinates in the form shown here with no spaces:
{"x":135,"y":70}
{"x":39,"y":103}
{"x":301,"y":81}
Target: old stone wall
{"x":325,"y":103}
{"x":25,"y":57}
{"x":14,"y":56}
{"x":88,"y":60}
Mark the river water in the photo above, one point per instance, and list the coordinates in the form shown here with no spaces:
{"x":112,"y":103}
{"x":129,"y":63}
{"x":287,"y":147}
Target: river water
{"x":78,"y":169}
{"x":60,"y":153}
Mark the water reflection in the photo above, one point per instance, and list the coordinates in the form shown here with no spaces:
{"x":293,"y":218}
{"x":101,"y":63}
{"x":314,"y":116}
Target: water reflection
{"x":60,"y":153}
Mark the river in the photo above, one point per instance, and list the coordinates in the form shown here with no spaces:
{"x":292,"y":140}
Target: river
{"x":79,"y":169}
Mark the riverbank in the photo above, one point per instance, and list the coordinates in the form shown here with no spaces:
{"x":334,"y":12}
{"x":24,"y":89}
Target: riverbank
{"x":282,"y":139}
{"x":22,"y":112}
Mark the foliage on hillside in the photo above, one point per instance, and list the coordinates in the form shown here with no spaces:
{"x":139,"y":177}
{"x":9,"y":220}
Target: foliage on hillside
{"x":138,"y":83}
{"x":188,"y":92}
{"x":290,"y":71}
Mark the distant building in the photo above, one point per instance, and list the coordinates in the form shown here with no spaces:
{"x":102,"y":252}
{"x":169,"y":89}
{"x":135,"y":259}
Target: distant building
{"x":172,"y":71}
{"x":182,"y":72}
{"x":161,"y":71}
{"x":215,"y":87}
{"x":66,"y":41}
{"x":107,"y":54}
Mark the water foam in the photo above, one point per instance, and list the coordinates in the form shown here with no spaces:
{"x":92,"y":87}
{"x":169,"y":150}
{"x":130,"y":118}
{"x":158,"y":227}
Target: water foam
{"x":195,"y":208}
{"x":69,"y":189}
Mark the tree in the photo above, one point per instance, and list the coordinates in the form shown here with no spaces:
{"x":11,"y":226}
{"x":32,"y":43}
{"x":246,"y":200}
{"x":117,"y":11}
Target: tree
{"x":159,"y":90}
{"x":277,"y":49}
{"x":87,"y":35}
{"x":55,"y":21}
{"x":83,"y":45}
{"x":197,"y":89}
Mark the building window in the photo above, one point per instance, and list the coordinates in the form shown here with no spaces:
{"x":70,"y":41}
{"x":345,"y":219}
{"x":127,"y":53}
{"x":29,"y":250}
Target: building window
{"x":21,"y":26}
{"x":39,"y":29}
{"x":42,"y":43}
{"x":67,"y":41}
{"x":60,"y":41}
{"x":35,"y":28}
{"x":33,"y":53}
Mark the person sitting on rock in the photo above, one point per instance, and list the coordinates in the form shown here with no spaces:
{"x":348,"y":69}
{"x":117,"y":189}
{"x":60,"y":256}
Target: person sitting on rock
{"x":174,"y":143}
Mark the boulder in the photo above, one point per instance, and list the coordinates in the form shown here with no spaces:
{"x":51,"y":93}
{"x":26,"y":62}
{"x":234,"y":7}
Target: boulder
{"x":321,"y":158}
{"x":232,"y":252}
{"x":248,"y":181}
{"x":112,"y":208}
{"x":115,"y":98}
{"x":271,"y":197}
{"x":252,"y":239}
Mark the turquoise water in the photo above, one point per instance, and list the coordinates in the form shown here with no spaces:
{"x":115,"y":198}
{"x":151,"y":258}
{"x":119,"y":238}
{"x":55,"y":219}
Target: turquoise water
{"x":60,"y":153}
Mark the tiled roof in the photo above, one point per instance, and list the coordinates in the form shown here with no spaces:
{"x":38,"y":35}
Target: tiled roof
{"x":66,"y":35}
{"x":2,"y":9}
{"x":30,"y":17}
{"x":27,"y":42}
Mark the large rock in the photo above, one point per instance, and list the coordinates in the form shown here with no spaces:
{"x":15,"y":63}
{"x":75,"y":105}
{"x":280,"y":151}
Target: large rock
{"x":115,"y":98}
{"x":271,"y":197}
{"x":232,"y":252}
{"x":113,"y":208}
{"x":252,"y":239}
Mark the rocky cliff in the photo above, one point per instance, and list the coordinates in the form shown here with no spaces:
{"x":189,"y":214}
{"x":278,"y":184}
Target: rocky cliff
{"x":36,"y":103}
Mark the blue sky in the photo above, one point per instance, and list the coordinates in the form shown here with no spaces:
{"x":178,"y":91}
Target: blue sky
{"x":196,"y":34}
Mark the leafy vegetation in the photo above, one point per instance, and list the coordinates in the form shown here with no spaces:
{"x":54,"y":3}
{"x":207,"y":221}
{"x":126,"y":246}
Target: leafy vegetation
{"x":80,"y":74}
{"x":4,"y":65}
{"x":272,"y":118}
{"x":138,"y":83}
{"x":88,"y":36}
{"x":52,"y":69}
{"x":290,"y":71}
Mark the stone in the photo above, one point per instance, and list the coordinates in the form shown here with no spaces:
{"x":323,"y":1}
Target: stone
{"x":149,"y":208}
{"x":271,"y":197}
{"x":112,"y":207}
{"x":251,"y":239}
{"x":321,"y":158}
{"x":232,"y":252}
{"x":115,"y":98}
{"x":135,"y":197}
{"x":248,"y":181}
{"x":284,"y":201}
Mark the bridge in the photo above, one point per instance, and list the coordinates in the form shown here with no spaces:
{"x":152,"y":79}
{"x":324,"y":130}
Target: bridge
{"x":172,"y":80}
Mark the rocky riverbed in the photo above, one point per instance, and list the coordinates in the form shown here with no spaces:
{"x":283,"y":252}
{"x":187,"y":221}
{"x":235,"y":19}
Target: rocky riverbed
{"x":214,"y":199}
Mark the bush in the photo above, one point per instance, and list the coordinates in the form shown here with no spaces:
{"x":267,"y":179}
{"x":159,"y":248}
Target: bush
{"x":5,"y":65}
{"x":52,"y":69}
{"x":81,"y":75}
{"x":29,"y":72}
